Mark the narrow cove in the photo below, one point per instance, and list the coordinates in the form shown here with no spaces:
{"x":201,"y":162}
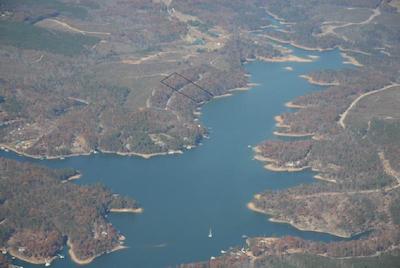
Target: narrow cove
{"x":183,"y":196}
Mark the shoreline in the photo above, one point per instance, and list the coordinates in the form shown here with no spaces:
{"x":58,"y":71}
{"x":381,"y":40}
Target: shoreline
{"x":299,"y":227}
{"x":127,"y":210}
{"x":246,"y":88}
{"x":79,"y":261}
{"x":264,"y":159}
{"x":73,"y":177}
{"x":31,"y":260}
{"x":44,"y":157}
{"x":254,"y":208}
{"x":291,"y":105}
{"x":297,"y":45}
{"x":297,"y":135}
{"x":347,"y":58}
{"x":319,"y":177}
{"x":62,"y":157}
{"x":276,"y":17}
{"x":251,"y":205}
{"x":312,"y":81}
{"x":288,"y":58}
{"x":280,"y":122}
{"x":350,"y":60}
{"x":222,"y":96}
{"x":272,"y":164}
{"x":276,"y":168}
{"x":143,"y":155}
{"x":258,"y":156}
{"x":308,"y":229}
{"x":5,"y":147}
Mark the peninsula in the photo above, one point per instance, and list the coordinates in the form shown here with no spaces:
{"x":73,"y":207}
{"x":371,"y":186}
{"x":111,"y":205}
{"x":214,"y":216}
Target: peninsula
{"x":81,"y":77}
{"x":41,"y":212}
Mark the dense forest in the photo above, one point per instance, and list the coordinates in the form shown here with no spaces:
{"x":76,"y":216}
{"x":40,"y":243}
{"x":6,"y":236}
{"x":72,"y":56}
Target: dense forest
{"x":80,"y":76}
{"x":90,"y":72}
{"x":36,"y":222}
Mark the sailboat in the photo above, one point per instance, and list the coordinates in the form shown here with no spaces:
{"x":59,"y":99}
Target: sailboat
{"x":210,"y":235}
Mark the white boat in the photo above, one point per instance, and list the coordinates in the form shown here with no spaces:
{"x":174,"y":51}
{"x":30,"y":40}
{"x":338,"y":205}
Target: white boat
{"x":210,"y":235}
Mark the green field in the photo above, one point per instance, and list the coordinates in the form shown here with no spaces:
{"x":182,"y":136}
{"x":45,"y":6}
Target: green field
{"x":26,"y":36}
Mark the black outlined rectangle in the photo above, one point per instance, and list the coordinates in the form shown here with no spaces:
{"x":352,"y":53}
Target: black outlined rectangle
{"x":163,"y":81}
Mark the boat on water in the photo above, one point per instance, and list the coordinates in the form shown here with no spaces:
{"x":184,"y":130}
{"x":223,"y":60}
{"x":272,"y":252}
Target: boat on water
{"x":210,"y":235}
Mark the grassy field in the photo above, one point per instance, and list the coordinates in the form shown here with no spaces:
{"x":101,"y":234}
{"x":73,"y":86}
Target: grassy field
{"x":26,"y":36}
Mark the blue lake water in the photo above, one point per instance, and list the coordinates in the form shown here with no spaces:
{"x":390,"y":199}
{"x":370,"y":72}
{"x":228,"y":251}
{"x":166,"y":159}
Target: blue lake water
{"x":209,"y":186}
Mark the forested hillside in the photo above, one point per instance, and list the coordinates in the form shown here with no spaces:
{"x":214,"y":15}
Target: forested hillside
{"x":40,"y":210}
{"x":347,"y":133}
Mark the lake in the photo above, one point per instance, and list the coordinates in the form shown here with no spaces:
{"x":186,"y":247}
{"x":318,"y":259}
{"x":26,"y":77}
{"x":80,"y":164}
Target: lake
{"x":183,"y":196}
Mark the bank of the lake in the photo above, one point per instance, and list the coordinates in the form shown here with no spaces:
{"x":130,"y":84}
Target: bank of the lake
{"x":185,"y":195}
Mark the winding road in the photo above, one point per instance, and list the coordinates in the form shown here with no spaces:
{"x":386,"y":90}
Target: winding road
{"x":344,"y":115}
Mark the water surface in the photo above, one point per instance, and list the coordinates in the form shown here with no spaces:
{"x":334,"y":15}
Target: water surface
{"x":207,"y":187}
